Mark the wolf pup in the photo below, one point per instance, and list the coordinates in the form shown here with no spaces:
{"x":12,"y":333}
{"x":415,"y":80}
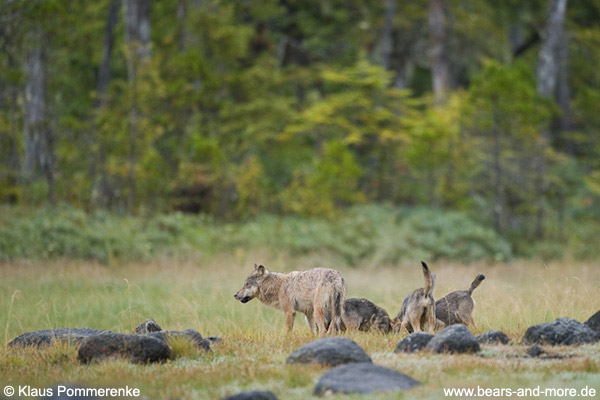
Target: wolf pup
{"x":315,"y":293}
{"x":418,"y":309}
{"x":457,"y":307}
{"x":363,"y":315}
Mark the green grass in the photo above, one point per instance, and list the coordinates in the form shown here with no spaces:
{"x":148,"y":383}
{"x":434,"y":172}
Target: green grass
{"x":199,"y":295}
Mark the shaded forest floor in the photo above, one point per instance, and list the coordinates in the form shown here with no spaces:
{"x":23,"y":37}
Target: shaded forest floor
{"x":199,"y":295}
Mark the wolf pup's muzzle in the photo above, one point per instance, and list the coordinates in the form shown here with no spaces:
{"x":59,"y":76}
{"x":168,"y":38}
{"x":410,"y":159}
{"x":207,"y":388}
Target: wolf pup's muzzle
{"x":242,"y":299}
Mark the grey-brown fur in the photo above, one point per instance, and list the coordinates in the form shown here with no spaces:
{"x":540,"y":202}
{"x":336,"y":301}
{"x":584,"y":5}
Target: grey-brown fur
{"x":363,"y":315}
{"x":316,"y":293}
{"x":418,"y":309}
{"x":149,"y":325}
{"x":457,"y":307}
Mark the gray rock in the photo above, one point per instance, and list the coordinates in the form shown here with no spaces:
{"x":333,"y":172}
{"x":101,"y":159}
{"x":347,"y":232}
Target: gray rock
{"x":363,"y":378}
{"x":42,"y":338}
{"x":135,"y":348}
{"x":148,"y":326}
{"x":453,"y":339}
{"x":492,"y":337}
{"x":535,"y":351}
{"x":190,"y":334}
{"x":254,"y":395}
{"x":563,"y":331}
{"x":329,"y":351}
{"x":414,"y":342}
{"x":594,"y":322}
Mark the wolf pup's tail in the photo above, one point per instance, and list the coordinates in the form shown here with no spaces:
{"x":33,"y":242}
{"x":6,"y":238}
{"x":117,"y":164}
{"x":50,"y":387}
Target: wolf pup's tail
{"x":478,"y":279}
{"x":336,"y":312}
{"x":429,"y":279}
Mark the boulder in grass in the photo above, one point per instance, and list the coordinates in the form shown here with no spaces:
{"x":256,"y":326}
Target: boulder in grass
{"x":363,"y":378}
{"x":42,"y":338}
{"x":414,"y":342}
{"x":329,"y":351}
{"x":594,"y":322}
{"x":492,"y":337}
{"x":563,"y":331}
{"x":535,"y":351}
{"x":148,"y":326}
{"x":254,"y":395}
{"x":139,"y":349}
{"x":190,"y":334}
{"x":453,"y":339}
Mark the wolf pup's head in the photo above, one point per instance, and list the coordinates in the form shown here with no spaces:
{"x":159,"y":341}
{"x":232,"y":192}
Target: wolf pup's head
{"x":252,"y":285}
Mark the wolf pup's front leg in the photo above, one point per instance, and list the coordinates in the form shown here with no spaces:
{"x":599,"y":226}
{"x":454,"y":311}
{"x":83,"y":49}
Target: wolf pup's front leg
{"x":290,"y":316}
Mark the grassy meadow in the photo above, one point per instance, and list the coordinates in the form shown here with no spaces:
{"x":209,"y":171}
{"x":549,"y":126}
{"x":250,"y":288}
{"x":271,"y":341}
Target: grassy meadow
{"x":198,"y":293}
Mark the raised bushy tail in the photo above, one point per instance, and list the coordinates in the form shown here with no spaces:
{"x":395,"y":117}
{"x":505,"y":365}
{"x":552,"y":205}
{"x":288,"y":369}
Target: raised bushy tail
{"x":429,"y":279}
{"x":478,"y":279}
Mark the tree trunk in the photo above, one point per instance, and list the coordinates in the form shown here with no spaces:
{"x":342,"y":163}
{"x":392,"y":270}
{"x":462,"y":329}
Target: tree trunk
{"x":547,"y":77}
{"x":182,"y":36}
{"x":109,"y":40}
{"x":104,"y":74}
{"x":137,"y":37}
{"x":38,"y":137}
{"x":548,"y":60}
{"x":33,"y":123}
{"x":440,"y":69}
{"x":564,"y":97}
{"x":387,"y":35}
{"x":137,"y":27}
{"x":395,"y":47}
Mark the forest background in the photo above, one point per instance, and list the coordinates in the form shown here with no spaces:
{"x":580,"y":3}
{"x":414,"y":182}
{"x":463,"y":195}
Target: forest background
{"x":366,"y":130}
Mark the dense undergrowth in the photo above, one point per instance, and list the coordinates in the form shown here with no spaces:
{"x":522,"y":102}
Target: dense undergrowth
{"x":371,"y":233}
{"x":377,"y":234}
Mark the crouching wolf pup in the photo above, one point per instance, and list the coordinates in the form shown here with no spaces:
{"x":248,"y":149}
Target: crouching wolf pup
{"x":363,"y":315}
{"x":418,"y":309}
{"x":457,"y":307}
{"x":315,"y":293}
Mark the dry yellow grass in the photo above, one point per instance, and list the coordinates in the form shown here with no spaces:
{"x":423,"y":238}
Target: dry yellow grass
{"x":199,"y":295}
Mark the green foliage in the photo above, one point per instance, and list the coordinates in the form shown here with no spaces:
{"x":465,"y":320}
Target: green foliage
{"x":268,"y":107}
{"x":504,"y":98}
{"x":374,"y":234}
{"x":361,"y":108}
{"x":434,"y":234}
{"x":332,"y":183}
{"x":508,"y":154}
{"x":250,"y":186}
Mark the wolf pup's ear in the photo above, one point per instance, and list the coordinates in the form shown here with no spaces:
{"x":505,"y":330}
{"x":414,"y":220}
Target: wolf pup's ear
{"x":261,"y":269}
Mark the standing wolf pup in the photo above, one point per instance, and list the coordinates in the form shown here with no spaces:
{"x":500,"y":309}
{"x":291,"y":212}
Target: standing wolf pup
{"x":457,"y":307}
{"x":418,"y":309}
{"x":315,"y":293}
